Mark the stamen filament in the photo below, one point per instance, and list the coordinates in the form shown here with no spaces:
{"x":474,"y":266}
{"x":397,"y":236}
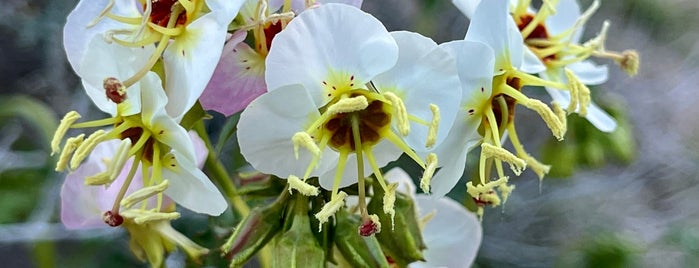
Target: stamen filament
{"x":354,"y":118}
{"x":398,"y":142}
{"x":96,"y":123}
{"x":125,"y":186}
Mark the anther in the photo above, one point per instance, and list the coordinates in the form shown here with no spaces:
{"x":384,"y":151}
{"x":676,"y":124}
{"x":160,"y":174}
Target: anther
{"x":112,"y":219}
{"x":389,"y":200}
{"x":62,"y":129}
{"x":146,"y":216}
{"x":68,"y":149}
{"x":143,"y":194}
{"x":434,"y":126}
{"x":579,"y":94}
{"x":301,"y":186}
{"x":555,"y":121}
{"x":516,"y":164}
{"x":86,"y":147}
{"x":430,"y":168}
{"x":629,"y":62}
{"x":370,"y":226}
{"x":305,"y":140}
{"x":330,"y":208}
{"x":401,"y":112}
{"x":114,"y":89}
{"x":348,"y":105}
{"x":119,"y":159}
{"x":540,"y":169}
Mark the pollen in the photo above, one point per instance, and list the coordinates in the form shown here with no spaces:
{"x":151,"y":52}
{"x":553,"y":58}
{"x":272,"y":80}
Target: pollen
{"x":301,"y":186}
{"x":62,"y":129}
{"x":330,"y":208}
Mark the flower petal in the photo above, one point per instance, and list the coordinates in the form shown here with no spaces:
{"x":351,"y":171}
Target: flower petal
{"x":424,"y":74}
{"x":190,"y":61}
{"x":493,"y":25}
{"x":452,"y":154}
{"x":468,"y":7}
{"x":76,"y":34}
{"x":331,"y":38}
{"x":405,"y":183}
{"x":103,"y":60}
{"x":590,"y":73}
{"x":224,"y":10}
{"x":452,"y":236}
{"x":267,"y":126}
{"x":237,"y":80}
{"x":192,"y":189}
{"x":531,"y":63}
{"x":567,"y":14}
{"x":475,"y":62}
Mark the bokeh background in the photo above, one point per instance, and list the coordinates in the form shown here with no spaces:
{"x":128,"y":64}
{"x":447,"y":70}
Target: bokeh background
{"x":632,"y":199}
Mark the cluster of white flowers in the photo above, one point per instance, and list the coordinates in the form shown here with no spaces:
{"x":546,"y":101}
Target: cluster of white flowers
{"x":325,"y":92}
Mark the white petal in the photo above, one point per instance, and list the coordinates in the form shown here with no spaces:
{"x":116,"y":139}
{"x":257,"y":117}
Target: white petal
{"x":200,"y":150}
{"x":190,"y":188}
{"x":452,"y":154}
{"x":590,"y":73}
{"x":224,"y":10}
{"x":190,"y":61}
{"x":267,"y":126}
{"x":493,"y":25}
{"x":384,"y":152}
{"x":567,"y":13}
{"x":475,"y":63}
{"x":332,"y":37}
{"x":164,"y":128}
{"x":468,"y":7}
{"x":76,"y":34}
{"x":452,"y":236}
{"x":531,"y":63}
{"x":103,"y":60}
{"x":424,"y":74}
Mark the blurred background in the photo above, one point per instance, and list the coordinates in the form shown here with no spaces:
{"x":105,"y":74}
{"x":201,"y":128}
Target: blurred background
{"x":626,"y":199}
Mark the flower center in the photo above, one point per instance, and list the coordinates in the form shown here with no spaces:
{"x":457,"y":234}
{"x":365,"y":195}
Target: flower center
{"x":372,"y":121}
{"x":161,"y":10}
{"x":537,"y":34}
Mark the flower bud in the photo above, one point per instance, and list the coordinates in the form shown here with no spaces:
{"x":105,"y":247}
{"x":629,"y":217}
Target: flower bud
{"x":255,"y":231}
{"x":358,"y":251}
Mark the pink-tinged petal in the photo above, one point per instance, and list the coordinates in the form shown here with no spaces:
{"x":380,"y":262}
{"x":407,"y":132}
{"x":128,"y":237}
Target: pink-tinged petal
{"x":192,"y":189}
{"x":453,"y":236}
{"x":237,"y":80}
{"x":331,"y":38}
{"x":82,"y":206}
{"x":267,"y":126}
{"x":200,"y":150}
{"x":76,"y":34}
{"x":190,"y":61}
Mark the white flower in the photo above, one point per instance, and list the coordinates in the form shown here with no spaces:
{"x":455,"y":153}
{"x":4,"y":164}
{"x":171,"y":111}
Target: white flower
{"x":332,"y":83}
{"x":189,"y":40}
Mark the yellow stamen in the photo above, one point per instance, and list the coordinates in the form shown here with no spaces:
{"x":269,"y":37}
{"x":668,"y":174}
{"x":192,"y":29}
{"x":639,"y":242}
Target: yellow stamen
{"x":301,"y":186}
{"x":389,"y":200}
{"x":429,"y":172}
{"x":533,"y":164}
{"x":86,"y":147}
{"x":119,"y":159}
{"x":305,"y":140}
{"x":517,"y":165}
{"x":330,"y":208}
{"x":62,"y":129}
{"x":434,"y":126}
{"x":68,"y":149}
{"x":144,"y":193}
{"x":147,"y":216}
{"x":401,"y":113}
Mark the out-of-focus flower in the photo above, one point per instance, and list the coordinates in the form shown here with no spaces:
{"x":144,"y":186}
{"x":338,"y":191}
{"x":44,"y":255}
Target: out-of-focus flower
{"x":451,"y":233}
{"x":347,"y":91}
{"x":145,"y":216}
{"x":188,"y":36}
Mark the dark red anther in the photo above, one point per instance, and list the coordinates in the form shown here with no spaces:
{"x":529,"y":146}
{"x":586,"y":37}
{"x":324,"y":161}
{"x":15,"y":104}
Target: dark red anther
{"x":114,"y":89}
{"x":112,"y":219}
{"x":368,"y":227}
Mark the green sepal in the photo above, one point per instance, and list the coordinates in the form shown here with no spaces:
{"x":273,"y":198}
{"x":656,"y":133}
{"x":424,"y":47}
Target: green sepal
{"x":255,"y":231}
{"x":358,"y":251}
{"x":194,"y":115}
{"x":297,"y":247}
{"x":403,"y":243}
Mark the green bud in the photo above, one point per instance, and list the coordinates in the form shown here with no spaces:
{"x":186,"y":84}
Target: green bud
{"x":404,"y":242}
{"x":297,"y":247}
{"x":255,"y":231}
{"x":358,"y":251}
{"x":561,"y":156}
{"x":622,"y":142}
{"x":592,"y":152}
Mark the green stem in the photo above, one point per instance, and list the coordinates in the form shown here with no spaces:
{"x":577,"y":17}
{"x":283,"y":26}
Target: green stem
{"x":218,"y":173}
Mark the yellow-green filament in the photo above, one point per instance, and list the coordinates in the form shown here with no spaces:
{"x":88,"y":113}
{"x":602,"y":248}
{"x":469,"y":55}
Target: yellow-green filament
{"x":125,"y":186}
